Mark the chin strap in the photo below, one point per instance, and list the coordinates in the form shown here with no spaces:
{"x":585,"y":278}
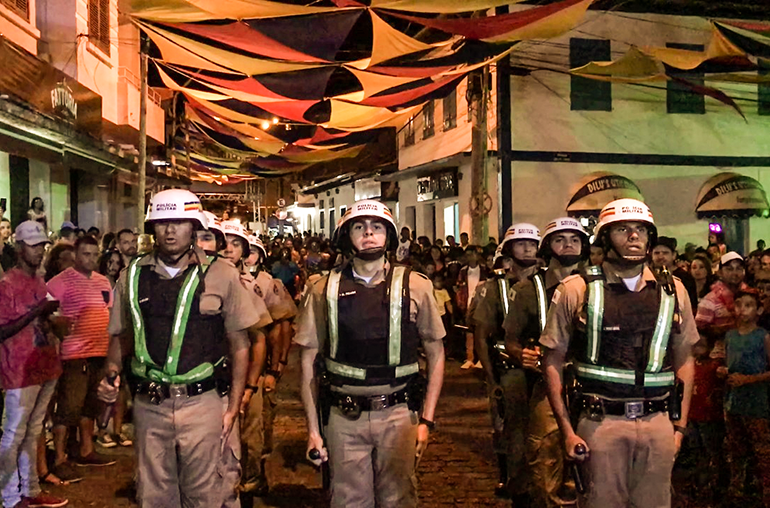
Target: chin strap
{"x":173,"y":261}
{"x":569,"y":260}
{"x":370,"y":254}
{"x":526,"y":263}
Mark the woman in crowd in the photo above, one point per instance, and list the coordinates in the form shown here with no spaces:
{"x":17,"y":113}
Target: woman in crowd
{"x":701,"y":271}
{"x":60,"y":257}
{"x":7,"y":251}
{"x":36,"y":212}
{"x":110,"y":265}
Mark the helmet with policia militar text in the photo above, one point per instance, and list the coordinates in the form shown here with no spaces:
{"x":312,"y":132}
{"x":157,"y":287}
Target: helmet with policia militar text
{"x":234,"y":228}
{"x":176,"y":205}
{"x":624,"y":210}
{"x":515,"y":233}
{"x":564,"y":224}
{"x":365,"y":209}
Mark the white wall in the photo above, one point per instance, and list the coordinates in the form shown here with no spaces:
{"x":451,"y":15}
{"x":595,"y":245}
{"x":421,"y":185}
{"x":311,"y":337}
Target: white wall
{"x":637,"y":124}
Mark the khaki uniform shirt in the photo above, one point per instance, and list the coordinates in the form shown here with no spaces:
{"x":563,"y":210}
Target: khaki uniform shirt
{"x":569,"y":303}
{"x":487,"y":307}
{"x":523,"y":304}
{"x":224,"y":294}
{"x":278,"y":300}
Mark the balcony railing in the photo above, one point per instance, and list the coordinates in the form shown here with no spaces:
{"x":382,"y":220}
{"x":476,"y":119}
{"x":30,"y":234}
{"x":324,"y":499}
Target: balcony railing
{"x":133,"y":79}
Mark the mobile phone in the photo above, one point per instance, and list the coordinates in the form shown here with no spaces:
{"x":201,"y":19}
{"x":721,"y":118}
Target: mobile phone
{"x":3,"y":202}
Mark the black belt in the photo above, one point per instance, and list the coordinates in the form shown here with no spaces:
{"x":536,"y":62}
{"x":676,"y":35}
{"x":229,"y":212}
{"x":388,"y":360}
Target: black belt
{"x":631,"y":409}
{"x":354,"y":404}
{"x":158,"y":392}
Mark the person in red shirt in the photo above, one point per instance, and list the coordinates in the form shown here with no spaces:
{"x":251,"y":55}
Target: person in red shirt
{"x":29,"y":368}
{"x":86,"y":298}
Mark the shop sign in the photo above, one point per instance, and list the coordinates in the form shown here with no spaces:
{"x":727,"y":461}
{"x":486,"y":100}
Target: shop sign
{"x":63,"y":102}
{"x":438,"y":186}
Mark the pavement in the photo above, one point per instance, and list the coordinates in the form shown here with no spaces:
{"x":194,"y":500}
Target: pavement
{"x":457,"y":470}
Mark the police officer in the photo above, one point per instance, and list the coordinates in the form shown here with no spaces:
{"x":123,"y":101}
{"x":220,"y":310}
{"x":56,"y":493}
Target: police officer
{"x":516,"y":259}
{"x":367,"y":320}
{"x":564,"y":245}
{"x":258,"y":409}
{"x":630,"y":335}
{"x":188,"y":313}
{"x":211,"y":240}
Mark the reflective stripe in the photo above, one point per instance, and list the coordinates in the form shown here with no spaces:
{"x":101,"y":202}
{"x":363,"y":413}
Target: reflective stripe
{"x":662,"y":332}
{"x":407,"y":370}
{"x":345,"y":370}
{"x":542,"y":304}
{"x":503,"y":285}
{"x":394,"y":330}
{"x":595,"y":313}
{"x":142,"y":365}
{"x":621,"y":376}
{"x":332,"y":296}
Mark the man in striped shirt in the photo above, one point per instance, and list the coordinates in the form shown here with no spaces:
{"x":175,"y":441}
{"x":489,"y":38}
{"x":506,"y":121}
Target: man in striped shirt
{"x":86,"y":298}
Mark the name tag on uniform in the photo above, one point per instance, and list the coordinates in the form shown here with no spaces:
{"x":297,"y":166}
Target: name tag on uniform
{"x":349,"y":293}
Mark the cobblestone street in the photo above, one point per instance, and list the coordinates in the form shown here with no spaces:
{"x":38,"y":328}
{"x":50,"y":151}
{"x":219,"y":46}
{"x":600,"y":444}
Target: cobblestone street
{"x":458,"y":468}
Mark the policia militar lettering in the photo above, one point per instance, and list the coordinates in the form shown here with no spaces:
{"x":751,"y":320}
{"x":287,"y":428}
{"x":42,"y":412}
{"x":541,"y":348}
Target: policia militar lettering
{"x":630,"y":335}
{"x":186,"y":315}
{"x":360,"y":328}
{"x":563,"y":246}
{"x":515,"y":260}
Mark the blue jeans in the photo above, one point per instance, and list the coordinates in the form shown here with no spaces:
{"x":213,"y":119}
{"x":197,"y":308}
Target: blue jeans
{"x":23,"y":417}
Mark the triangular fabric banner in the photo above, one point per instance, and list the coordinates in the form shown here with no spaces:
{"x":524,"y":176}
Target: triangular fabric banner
{"x":535,"y":23}
{"x":389,"y":43}
{"x":440,"y":6}
{"x":242,"y":36}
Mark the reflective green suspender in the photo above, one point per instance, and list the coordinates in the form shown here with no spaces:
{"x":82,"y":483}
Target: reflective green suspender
{"x":142,"y":364}
{"x":502,"y":283}
{"x":658,"y":346}
{"x":542,"y":303}
{"x":595,"y":313}
{"x":395,"y":313}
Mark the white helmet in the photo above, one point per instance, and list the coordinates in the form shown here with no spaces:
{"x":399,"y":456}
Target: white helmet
{"x":213,"y":221}
{"x":177,"y":204}
{"x":364,"y":208}
{"x":231,"y":227}
{"x":564,"y":224}
{"x":521,"y":231}
{"x":254,"y":241}
{"x":622,"y":210}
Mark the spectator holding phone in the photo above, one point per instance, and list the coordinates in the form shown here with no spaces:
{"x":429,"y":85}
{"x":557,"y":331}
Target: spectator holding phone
{"x":29,"y":368}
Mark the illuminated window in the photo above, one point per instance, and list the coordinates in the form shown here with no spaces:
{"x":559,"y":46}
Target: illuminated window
{"x":428,"y":121}
{"x":409,"y":132}
{"x":450,"y":110}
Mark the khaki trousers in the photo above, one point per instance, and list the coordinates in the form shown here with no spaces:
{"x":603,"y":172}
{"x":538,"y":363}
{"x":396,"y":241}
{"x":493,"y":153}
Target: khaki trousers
{"x":629,"y":463}
{"x":257,"y":437}
{"x":372,"y":458}
{"x":181,"y":459}
{"x":550,"y":485}
{"x":510,"y":430}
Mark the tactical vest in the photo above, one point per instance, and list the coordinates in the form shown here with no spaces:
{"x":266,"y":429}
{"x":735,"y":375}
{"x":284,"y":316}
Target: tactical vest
{"x":622,"y":349}
{"x":371,"y":339}
{"x":173,"y":341}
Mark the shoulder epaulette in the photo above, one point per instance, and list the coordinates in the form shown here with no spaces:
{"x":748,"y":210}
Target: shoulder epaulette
{"x":421,"y":275}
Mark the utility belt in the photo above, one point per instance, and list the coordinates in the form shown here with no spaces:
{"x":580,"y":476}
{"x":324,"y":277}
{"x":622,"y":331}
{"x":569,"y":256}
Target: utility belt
{"x":159,"y":392}
{"x":596,"y":407}
{"x":501,"y":361}
{"x":351,"y":406}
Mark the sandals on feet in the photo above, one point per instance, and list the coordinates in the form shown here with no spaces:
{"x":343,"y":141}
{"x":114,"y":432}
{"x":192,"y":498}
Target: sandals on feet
{"x":51,"y":479}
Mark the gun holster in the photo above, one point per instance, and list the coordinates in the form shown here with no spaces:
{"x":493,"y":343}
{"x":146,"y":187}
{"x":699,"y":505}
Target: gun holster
{"x":675,"y":400}
{"x":416,"y":389}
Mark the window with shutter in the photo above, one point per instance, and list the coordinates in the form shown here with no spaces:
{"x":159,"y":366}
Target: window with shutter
{"x":99,"y":24}
{"x":20,"y":7}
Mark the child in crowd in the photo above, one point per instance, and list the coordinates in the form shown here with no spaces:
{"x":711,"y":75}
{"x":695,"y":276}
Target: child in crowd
{"x":702,"y":452}
{"x":443,"y":300}
{"x":746,"y":403}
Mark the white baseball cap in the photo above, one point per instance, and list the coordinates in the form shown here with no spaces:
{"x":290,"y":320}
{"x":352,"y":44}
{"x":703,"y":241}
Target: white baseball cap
{"x":730,"y":256}
{"x":31,"y":232}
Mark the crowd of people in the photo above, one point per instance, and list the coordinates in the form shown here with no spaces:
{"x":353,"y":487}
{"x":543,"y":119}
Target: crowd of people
{"x":94,"y":331}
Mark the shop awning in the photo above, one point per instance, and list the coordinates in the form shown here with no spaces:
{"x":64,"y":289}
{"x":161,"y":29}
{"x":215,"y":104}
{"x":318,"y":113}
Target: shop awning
{"x":595,"y":190}
{"x":731,"y":195}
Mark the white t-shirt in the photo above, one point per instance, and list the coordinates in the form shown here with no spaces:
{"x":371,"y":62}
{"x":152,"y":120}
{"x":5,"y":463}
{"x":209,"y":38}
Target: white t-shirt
{"x":631,"y":282}
{"x":403,"y":250}
{"x":474,"y":275}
